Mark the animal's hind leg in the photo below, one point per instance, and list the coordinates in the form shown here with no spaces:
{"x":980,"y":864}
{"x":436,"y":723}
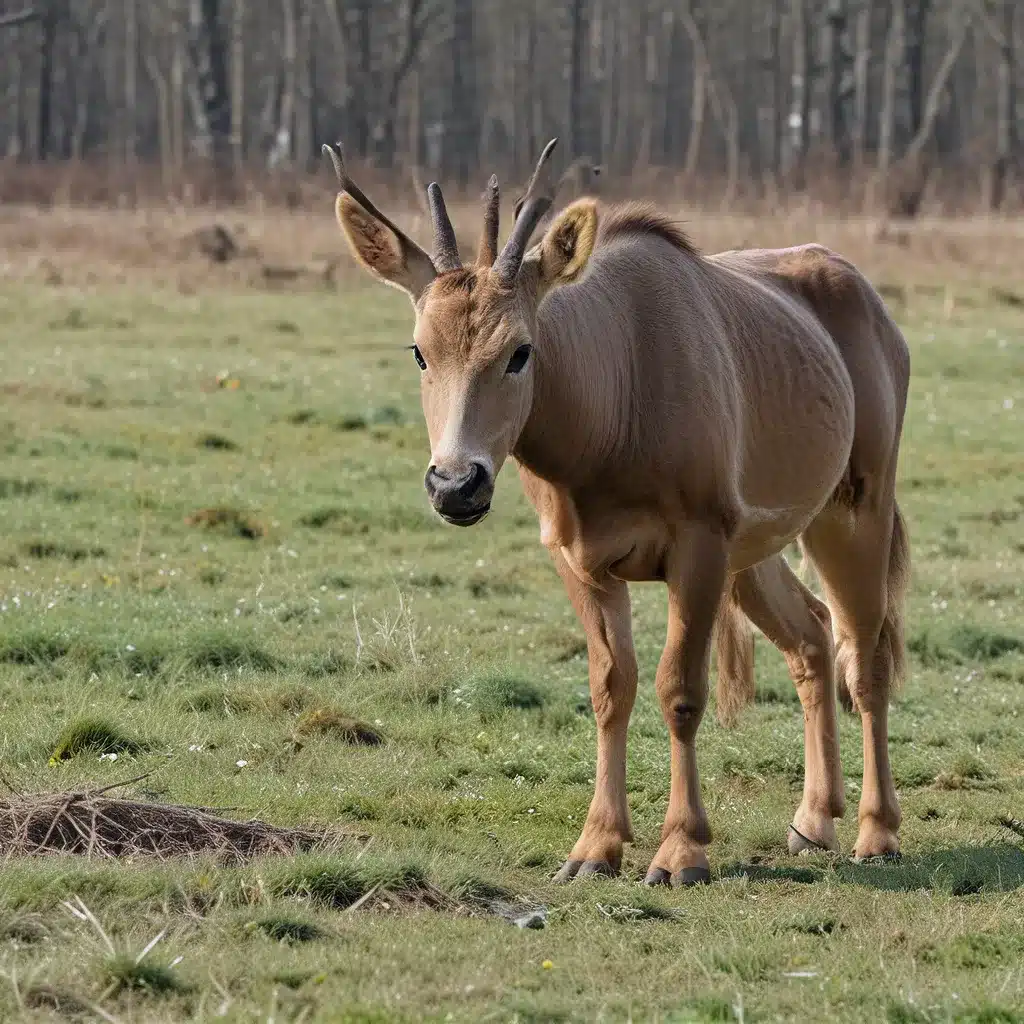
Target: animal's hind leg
{"x":797,"y":623}
{"x":861,"y":558}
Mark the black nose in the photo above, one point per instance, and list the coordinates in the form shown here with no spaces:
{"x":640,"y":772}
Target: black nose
{"x":460,"y":499}
{"x":441,"y":483}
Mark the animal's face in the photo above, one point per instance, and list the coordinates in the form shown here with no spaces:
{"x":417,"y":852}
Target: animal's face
{"x":474,"y":340}
{"x":474,"y":349}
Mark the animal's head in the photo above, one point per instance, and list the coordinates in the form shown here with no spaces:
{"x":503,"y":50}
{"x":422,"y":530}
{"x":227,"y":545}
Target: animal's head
{"x":475,"y":336}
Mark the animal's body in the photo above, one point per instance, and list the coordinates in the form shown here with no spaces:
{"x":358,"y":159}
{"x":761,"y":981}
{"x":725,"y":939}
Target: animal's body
{"x":679,"y":418}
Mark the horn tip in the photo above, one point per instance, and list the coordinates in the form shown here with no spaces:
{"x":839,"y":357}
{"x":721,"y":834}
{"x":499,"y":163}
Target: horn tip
{"x":492,"y":182}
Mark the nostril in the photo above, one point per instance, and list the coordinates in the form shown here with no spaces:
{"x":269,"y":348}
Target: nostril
{"x":473,"y":480}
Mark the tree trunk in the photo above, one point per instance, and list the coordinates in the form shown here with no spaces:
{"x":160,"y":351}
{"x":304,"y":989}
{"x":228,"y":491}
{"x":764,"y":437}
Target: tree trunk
{"x":861,"y":81}
{"x":304,"y":98}
{"x":575,"y":112}
{"x":916,"y":29}
{"x":238,"y":84}
{"x":1002,"y":32}
{"x":48,"y":38}
{"x":887,"y":108}
{"x":800,"y":115}
{"x":463,"y":121}
{"x":131,"y":64}
{"x":776,"y":87}
{"x":837,"y":86}
{"x":209,"y":58}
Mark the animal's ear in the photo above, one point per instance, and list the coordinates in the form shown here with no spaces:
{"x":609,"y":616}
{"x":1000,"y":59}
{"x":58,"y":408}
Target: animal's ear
{"x":389,"y":256}
{"x":568,"y":244}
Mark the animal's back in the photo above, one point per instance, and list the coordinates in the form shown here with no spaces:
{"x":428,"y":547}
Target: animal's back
{"x":872,"y":346}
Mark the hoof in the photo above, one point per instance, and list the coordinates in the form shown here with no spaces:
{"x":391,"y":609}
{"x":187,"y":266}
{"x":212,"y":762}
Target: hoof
{"x":584,"y":868}
{"x":878,"y":858}
{"x":657,"y":876}
{"x":687,"y":877}
{"x":799,"y":843}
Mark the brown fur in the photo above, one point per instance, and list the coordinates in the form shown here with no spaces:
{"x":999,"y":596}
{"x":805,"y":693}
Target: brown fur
{"x":684,"y":418}
{"x":637,"y":218}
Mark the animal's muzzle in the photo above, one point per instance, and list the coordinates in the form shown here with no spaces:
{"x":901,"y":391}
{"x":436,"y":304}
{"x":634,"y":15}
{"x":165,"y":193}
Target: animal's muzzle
{"x":460,"y":499}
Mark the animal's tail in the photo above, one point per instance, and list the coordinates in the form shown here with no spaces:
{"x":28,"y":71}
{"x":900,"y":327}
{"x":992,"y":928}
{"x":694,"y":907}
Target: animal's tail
{"x":892,"y":636}
{"x":734,"y":649}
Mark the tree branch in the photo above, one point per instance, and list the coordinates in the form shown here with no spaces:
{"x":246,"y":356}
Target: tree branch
{"x":20,"y":18}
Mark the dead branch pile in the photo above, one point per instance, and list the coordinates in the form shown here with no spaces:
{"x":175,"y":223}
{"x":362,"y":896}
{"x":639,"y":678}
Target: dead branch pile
{"x":90,"y":824}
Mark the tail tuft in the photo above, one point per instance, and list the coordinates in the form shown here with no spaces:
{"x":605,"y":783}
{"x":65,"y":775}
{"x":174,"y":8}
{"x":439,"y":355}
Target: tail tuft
{"x":898,"y":580}
{"x":734,"y":648}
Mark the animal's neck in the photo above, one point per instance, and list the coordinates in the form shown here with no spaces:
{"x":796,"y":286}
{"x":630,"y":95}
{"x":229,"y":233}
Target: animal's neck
{"x":582,"y":391}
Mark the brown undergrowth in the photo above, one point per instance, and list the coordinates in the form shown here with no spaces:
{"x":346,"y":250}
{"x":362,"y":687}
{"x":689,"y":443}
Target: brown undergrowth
{"x":91,"y":824}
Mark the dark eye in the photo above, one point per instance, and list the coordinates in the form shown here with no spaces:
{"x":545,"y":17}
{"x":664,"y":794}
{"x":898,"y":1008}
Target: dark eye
{"x":519,"y":358}
{"x":418,"y":356}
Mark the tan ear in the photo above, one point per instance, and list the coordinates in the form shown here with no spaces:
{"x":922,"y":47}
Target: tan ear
{"x":388,"y":256}
{"x":568,"y":244}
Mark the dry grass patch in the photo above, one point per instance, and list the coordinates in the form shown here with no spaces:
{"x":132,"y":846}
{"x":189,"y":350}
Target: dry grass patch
{"x":91,"y":824}
{"x":334,"y":723}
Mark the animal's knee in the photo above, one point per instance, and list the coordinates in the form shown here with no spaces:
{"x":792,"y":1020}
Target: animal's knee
{"x":867,"y":666}
{"x":683,"y":715}
{"x":612,"y":686}
{"x":811,"y":660}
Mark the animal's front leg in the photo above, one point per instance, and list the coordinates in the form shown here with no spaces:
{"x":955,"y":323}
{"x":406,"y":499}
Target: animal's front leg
{"x":695,"y":574}
{"x":605,"y":614}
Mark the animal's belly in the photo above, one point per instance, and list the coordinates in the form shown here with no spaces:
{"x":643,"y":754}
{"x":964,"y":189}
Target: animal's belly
{"x":764,"y":533}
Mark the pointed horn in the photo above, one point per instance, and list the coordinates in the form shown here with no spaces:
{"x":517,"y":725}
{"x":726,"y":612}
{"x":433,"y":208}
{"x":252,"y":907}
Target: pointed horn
{"x":446,"y":248}
{"x":489,"y":238}
{"x":534,"y":204}
{"x":410,"y":249}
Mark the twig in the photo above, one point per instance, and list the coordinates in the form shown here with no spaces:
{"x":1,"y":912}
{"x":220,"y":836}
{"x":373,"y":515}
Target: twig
{"x":115,"y":785}
{"x":359,"y":636}
{"x":18,"y":18}
{"x":352,"y":908}
{"x":10,"y":785}
{"x":1012,"y":824}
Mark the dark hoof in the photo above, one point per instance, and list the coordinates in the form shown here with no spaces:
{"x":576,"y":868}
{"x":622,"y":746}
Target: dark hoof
{"x":599,"y":868}
{"x":799,"y":843}
{"x":583,"y":868}
{"x":687,"y":877}
{"x":657,"y":876}
{"x":879,"y":858}
{"x":567,"y":872}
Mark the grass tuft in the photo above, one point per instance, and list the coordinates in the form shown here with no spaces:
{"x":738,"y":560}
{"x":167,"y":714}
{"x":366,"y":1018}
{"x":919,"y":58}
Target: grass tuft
{"x":231,"y":521}
{"x":31,"y":647}
{"x":93,"y":736}
{"x":217,"y":443}
{"x":290,"y":930}
{"x":331,"y":722}
{"x":321,"y":517}
{"x":127,"y":973}
{"x":222,"y":650}
{"x":497,"y":692}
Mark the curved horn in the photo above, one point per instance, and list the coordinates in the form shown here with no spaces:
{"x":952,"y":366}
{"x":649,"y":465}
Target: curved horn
{"x":410,"y":250}
{"x":488,"y":252}
{"x":446,"y":248}
{"x":534,"y":204}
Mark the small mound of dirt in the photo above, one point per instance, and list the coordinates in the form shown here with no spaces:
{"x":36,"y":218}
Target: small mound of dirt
{"x":90,"y":824}
{"x":215,"y":243}
{"x":329,"y":722}
{"x":227,"y":520}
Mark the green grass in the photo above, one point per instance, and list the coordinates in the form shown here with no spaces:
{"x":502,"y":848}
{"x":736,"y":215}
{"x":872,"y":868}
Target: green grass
{"x":242,"y":593}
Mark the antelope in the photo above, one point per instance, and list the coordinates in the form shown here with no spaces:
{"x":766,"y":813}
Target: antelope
{"x":681,"y":418}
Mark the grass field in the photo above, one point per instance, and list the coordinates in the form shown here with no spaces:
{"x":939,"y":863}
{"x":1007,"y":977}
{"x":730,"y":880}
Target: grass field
{"x":215,"y":547}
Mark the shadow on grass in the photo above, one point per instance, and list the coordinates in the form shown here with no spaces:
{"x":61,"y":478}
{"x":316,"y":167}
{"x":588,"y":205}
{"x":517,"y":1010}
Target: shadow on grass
{"x":960,"y":871}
